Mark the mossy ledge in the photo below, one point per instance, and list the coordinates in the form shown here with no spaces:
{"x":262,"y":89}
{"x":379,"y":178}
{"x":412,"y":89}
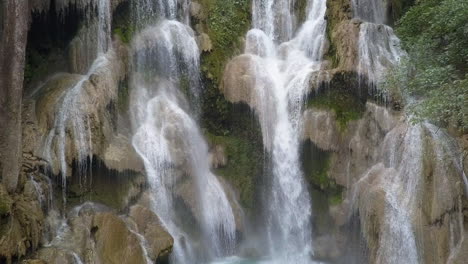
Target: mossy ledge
{"x":316,"y":165}
{"x":241,"y":138}
{"x":341,"y":95}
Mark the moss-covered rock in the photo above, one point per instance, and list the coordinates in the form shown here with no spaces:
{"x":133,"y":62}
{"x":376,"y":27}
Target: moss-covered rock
{"x":345,"y":104}
{"x":102,"y":185}
{"x":122,"y":25}
{"x":226,"y":25}
{"x":316,"y":165}
{"x":148,"y":224}
{"x":243,"y":148}
{"x":5,"y":202}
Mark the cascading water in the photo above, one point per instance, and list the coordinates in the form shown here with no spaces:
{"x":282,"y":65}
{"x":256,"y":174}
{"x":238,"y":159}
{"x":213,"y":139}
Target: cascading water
{"x":71,"y":132}
{"x":69,"y":113}
{"x":370,"y":10}
{"x":379,"y":48}
{"x":168,"y":139}
{"x":281,"y":79}
{"x":397,"y":241}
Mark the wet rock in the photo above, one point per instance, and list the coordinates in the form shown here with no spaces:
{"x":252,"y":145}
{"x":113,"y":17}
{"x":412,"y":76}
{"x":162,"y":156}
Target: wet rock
{"x":217,"y":157}
{"x":320,"y":127}
{"x":160,"y":242}
{"x":325,"y":248}
{"x":204,"y":42}
{"x":21,"y":224}
{"x":91,"y":114}
{"x":120,"y":155}
{"x":53,"y":255}
{"x":238,"y":83}
{"x":196,"y":11}
{"x":114,"y":242}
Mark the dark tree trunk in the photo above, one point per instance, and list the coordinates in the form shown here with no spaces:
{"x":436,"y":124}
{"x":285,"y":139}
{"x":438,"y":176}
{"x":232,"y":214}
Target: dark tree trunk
{"x":13,"y":38}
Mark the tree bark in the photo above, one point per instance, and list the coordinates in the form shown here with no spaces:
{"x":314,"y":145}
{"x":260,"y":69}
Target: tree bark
{"x":15,"y":20}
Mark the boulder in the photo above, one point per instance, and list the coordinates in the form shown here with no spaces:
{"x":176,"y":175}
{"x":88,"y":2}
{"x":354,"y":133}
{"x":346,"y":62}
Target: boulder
{"x":148,"y":224}
{"x":115,"y":243}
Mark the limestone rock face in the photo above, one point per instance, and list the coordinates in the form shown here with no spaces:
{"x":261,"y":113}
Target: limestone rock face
{"x":120,"y":155}
{"x":114,"y":242}
{"x":237,"y":83}
{"x":381,"y":159}
{"x":204,"y":42}
{"x":149,"y":225}
{"x":88,"y":127}
{"x":94,"y":233}
{"x":22,"y":222}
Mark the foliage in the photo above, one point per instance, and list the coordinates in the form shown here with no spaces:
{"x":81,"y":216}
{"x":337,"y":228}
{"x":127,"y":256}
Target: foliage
{"x":244,"y":165}
{"x":227,"y":22}
{"x":243,"y":145}
{"x":435,"y":73}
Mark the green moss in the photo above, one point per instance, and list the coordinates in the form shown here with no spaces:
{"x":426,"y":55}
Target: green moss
{"x":5,"y":204}
{"x":335,"y":197}
{"x":125,"y":33}
{"x":337,"y":12}
{"x":316,"y":165}
{"x":242,"y":141}
{"x":227,"y":23}
{"x":122,"y":25}
{"x":242,"y":165}
{"x":346,"y":106}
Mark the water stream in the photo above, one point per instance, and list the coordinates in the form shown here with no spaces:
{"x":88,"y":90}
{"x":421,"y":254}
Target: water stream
{"x":169,"y":141}
{"x":379,"y":48}
{"x":281,"y":67}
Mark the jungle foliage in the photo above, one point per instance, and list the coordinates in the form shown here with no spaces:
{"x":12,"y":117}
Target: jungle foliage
{"x":434,"y":76}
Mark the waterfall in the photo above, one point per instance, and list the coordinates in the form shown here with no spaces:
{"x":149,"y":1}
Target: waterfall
{"x":275,"y":18}
{"x":370,"y":10}
{"x":379,"y":48}
{"x":397,"y":242}
{"x":167,"y":137}
{"x":70,"y":118}
{"x":281,"y":75}
{"x":70,"y":115}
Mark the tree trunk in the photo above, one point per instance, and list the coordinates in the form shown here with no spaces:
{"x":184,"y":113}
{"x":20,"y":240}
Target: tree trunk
{"x":13,"y":38}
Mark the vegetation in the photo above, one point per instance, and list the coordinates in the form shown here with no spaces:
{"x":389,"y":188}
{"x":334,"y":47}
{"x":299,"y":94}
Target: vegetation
{"x":346,"y":106}
{"x":316,"y":164}
{"x":435,"y":72}
{"x":243,"y":166}
{"x":227,"y":22}
{"x":243,"y":145}
{"x":122,"y":25}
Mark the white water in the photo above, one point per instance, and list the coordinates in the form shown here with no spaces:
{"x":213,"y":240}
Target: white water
{"x":70,"y":119}
{"x":281,"y":76}
{"x":379,"y":48}
{"x":397,"y":241}
{"x":275,"y":18}
{"x":169,"y":140}
{"x":370,"y":10}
